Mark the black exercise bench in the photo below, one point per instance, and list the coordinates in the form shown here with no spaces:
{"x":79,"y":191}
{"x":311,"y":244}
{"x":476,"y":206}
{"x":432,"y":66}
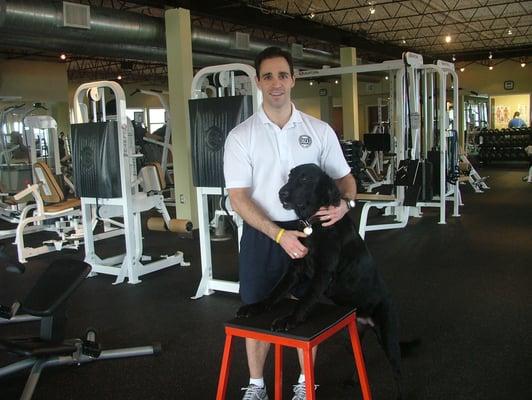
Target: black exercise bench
{"x":48,"y":300}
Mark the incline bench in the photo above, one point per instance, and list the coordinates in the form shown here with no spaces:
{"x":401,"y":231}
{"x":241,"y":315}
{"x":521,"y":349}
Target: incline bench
{"x":48,"y":300}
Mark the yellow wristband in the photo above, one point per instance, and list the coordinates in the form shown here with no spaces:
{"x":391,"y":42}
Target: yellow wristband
{"x":279,"y":235}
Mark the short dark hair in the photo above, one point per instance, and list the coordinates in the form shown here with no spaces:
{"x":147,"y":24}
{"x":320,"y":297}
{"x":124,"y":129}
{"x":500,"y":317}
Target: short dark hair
{"x":273,"y":52}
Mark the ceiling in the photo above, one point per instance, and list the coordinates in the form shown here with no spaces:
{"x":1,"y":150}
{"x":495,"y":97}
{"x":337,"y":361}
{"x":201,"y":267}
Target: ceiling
{"x":379,"y":29}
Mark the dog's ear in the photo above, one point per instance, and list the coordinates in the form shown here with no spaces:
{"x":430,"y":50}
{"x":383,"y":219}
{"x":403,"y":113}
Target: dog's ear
{"x":329,"y":193}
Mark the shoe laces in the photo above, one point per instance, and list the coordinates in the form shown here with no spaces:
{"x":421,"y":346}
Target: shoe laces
{"x":252,"y":392}
{"x":300,"y":391}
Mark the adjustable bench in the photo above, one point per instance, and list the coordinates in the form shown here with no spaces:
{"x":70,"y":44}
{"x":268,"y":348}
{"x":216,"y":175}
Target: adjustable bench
{"x":48,"y":300}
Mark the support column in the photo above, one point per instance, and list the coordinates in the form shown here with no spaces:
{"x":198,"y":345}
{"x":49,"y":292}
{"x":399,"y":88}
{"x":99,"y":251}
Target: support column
{"x":326,"y":102}
{"x":60,"y":113}
{"x":180,"y":73}
{"x":348,"y":57}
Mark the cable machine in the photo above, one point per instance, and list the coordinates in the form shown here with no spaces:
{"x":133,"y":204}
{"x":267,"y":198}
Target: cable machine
{"x":104,"y":161}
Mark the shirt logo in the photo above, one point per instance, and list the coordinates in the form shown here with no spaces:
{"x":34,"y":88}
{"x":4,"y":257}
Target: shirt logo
{"x":305,"y":141}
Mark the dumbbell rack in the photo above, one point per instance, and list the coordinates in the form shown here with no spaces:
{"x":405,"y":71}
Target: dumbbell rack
{"x":506,"y":145}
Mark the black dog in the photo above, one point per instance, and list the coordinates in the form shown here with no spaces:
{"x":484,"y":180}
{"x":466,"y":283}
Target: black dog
{"x":338,"y":264}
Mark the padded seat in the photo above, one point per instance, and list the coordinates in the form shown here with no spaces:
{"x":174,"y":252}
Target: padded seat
{"x":36,"y":347}
{"x":64,"y":205}
{"x":51,"y":192}
{"x":160,"y":174}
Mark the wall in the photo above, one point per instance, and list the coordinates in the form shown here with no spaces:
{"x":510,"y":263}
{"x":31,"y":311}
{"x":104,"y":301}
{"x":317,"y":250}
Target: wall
{"x":480,"y":79}
{"x":36,"y":81}
{"x":504,"y":107}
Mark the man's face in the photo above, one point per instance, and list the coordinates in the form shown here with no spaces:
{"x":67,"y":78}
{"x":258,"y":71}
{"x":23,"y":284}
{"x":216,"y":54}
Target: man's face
{"x":275,"y":82}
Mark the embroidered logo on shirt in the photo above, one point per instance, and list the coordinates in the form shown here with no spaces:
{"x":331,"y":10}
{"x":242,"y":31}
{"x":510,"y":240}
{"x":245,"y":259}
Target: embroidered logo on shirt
{"x":305,"y":141}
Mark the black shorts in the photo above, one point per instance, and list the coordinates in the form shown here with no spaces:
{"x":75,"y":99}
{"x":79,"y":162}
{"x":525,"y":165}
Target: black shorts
{"x":262,"y":263}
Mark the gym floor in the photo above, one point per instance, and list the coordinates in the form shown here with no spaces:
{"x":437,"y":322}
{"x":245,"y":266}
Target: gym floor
{"x":463,"y":288}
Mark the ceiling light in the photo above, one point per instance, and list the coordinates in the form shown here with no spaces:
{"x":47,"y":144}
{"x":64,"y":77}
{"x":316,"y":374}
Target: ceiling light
{"x":372,"y":10}
{"x":386,"y":77}
{"x":312,"y":15}
{"x":63,"y":56}
{"x":454,"y":57}
{"x":336,"y":81}
{"x":462,"y":69}
{"x":448,"y":39}
{"x":490,"y":56}
{"x":510,"y":31}
{"x":119,"y":77}
{"x":404,"y":41}
{"x":490,"y":67}
{"x":311,"y":83}
{"x":523,"y":64}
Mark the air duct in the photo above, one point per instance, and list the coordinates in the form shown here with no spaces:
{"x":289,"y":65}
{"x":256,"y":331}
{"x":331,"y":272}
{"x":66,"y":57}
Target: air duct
{"x":113,"y":33}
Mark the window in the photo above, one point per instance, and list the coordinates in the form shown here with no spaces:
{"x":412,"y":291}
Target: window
{"x":156,"y":118}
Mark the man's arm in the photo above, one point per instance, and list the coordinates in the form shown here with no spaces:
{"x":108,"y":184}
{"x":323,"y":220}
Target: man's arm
{"x":347,"y":186}
{"x":253,"y":215}
{"x":348,"y":190}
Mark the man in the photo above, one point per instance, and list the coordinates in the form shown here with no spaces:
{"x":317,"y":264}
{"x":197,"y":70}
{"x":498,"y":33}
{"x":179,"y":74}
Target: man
{"x":259,"y":154}
{"x":516,"y":122}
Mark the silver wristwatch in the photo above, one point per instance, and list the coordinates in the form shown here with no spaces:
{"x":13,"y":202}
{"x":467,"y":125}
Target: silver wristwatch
{"x":350,"y":203}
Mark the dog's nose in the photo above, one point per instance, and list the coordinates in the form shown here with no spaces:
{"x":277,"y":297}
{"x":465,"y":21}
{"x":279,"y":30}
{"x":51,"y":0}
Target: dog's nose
{"x":284,"y":194}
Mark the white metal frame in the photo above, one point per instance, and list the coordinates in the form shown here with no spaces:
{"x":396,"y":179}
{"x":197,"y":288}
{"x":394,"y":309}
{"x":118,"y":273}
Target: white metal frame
{"x":127,"y":265}
{"x":208,"y":284}
{"x":397,"y":128}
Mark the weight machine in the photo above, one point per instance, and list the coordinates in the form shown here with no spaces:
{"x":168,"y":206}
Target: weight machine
{"x":104,"y":161}
{"x":208,"y":169}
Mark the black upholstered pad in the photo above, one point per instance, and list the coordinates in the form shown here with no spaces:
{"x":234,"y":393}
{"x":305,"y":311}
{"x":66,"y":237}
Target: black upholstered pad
{"x":322,"y":317}
{"x":54,"y":286}
{"x":35,"y":347}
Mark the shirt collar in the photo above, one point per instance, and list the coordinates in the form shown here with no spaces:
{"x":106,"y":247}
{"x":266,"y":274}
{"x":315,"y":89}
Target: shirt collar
{"x":294,"y":118}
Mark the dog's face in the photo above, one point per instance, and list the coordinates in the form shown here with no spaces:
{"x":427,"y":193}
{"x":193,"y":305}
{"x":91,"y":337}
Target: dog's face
{"x":308,"y":188}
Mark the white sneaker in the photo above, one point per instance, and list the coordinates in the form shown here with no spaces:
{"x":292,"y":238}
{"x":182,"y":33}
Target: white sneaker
{"x":254,"y":392}
{"x":300,"y":391}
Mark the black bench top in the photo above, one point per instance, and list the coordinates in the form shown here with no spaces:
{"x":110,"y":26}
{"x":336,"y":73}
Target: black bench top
{"x":322,"y":317}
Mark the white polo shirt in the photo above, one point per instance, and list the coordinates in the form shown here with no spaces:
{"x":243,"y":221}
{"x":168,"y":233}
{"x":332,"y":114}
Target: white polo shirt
{"x":259,"y":155}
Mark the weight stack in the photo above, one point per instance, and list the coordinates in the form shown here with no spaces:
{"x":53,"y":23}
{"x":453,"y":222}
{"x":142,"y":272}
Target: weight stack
{"x":211,"y":120}
{"x":433,"y":157}
{"x":96,"y":159}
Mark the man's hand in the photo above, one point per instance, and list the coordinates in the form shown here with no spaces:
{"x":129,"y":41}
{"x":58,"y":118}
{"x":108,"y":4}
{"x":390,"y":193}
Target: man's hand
{"x":290,"y":243}
{"x":331,"y":215}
